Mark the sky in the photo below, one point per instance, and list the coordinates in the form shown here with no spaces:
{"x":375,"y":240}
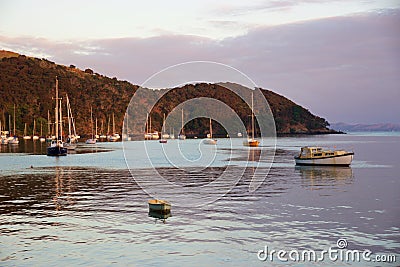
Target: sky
{"x":339,"y":59}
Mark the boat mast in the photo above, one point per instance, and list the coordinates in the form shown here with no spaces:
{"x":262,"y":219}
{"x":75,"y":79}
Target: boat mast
{"x":61,"y":123}
{"x":9,"y":124}
{"x":91,"y":120}
{"x":69,"y":117}
{"x":210,"y":129}
{"x":113,"y":124}
{"x":182,"y":123}
{"x":34,"y":127}
{"x":14,"y":121}
{"x":108,"y":126}
{"x":252,"y":117}
{"x":56,"y":110}
{"x":163,"y":127}
{"x":48,"y":123}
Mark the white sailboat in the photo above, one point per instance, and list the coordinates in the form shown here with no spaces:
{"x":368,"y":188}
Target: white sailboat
{"x":182,"y":136}
{"x":14,"y":140}
{"x":34,"y":136}
{"x":209,"y":140}
{"x":115,"y":136}
{"x":251,"y":142}
{"x":71,"y":139}
{"x":92,"y":140}
{"x":26,"y":137}
{"x":102,"y":135}
{"x":3,"y":135}
{"x":41,"y":138}
{"x":163,"y":140}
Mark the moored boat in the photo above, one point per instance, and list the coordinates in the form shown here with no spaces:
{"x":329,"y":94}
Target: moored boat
{"x":209,"y":140}
{"x":251,"y":142}
{"x":182,"y":135}
{"x":163,"y":140}
{"x":318,"y":156}
{"x":159,"y":205}
{"x":56,"y":147}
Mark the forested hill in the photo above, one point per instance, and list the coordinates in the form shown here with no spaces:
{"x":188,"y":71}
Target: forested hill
{"x":28,"y":83}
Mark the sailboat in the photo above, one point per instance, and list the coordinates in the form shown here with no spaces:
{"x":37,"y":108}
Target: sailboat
{"x":102,"y":135}
{"x":149,"y":135}
{"x":115,"y":136}
{"x":49,"y":131}
{"x":26,"y":137}
{"x":56,"y":147}
{"x":209,"y":140}
{"x":163,"y":140}
{"x":251,"y":142}
{"x":3,"y":134}
{"x":182,"y":136}
{"x":34,"y":136}
{"x":72,"y":139}
{"x":92,"y":140}
{"x":14,"y":139}
{"x":42,"y":138}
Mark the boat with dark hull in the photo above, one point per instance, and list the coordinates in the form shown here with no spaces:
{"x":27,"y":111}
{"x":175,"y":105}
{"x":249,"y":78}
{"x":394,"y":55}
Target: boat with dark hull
{"x":56,"y":147}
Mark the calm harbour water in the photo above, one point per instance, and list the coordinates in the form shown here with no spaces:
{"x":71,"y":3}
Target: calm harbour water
{"x":87,"y":209}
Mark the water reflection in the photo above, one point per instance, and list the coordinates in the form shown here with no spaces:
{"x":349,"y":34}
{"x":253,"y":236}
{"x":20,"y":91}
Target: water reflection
{"x":159,"y":215}
{"x":318,"y":176}
{"x":63,"y":188}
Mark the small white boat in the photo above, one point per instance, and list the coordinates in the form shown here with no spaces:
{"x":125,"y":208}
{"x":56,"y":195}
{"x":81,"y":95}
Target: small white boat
{"x":13,"y":141}
{"x":91,"y":141}
{"x":251,"y":141}
{"x":163,"y":139}
{"x":159,"y":205}
{"x":318,"y":156}
{"x":182,"y":135}
{"x":209,"y":140}
{"x":26,"y":137}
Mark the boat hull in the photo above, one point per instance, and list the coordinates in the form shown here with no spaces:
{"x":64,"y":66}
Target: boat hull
{"x":57,"y":151}
{"x":251,"y":143}
{"x":210,"y":141}
{"x":339,"y":160}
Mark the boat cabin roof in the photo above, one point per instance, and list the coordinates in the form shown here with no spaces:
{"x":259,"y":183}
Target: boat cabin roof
{"x":312,"y":148}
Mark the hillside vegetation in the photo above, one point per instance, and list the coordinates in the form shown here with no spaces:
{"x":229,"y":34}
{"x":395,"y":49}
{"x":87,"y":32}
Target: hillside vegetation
{"x":29,"y":84}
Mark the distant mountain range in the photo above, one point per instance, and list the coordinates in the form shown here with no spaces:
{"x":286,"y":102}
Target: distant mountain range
{"x":28,"y":83}
{"x":377,"y":127}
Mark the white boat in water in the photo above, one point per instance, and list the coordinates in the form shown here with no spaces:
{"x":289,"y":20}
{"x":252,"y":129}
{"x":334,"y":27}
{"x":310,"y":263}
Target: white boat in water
{"x":72,"y":140}
{"x":251,"y":141}
{"x":209,"y":140}
{"x":318,"y":156}
{"x":13,"y":140}
{"x":115,"y":136}
{"x":91,"y":141}
{"x":182,"y":135}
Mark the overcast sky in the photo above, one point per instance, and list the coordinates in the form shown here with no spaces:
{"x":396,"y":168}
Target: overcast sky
{"x":339,"y":59}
